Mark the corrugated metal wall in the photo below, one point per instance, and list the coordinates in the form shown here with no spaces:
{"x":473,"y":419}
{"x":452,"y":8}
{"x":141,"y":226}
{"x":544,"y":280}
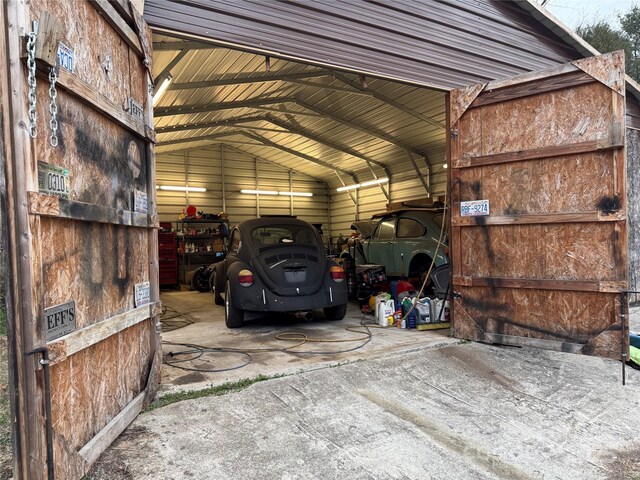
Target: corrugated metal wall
{"x":204,"y":168}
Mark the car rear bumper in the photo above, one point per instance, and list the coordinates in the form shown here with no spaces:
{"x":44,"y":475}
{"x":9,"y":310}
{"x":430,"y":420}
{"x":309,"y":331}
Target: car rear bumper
{"x":258,"y":298}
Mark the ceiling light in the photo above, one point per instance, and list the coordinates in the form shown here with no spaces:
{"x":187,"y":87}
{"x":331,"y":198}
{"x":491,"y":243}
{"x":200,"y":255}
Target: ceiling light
{"x":348,"y":187}
{"x":445,"y":166}
{"x":178,"y":188}
{"x":259,"y":192}
{"x":375,"y":182}
{"x":296,"y":194}
{"x":162,"y":88}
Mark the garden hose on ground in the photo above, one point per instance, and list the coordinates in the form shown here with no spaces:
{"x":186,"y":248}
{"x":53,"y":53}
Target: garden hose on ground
{"x":193,"y":352}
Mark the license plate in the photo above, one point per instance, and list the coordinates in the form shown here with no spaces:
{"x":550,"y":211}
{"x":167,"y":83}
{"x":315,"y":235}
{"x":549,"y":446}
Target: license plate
{"x":66,"y":57}
{"x":53,"y":180}
{"x":295,"y":275}
{"x":474,"y":208}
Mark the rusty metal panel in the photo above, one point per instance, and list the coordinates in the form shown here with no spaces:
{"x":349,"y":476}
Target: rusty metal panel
{"x":546,"y":265}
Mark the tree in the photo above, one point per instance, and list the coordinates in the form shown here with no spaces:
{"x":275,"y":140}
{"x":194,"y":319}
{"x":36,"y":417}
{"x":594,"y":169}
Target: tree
{"x":630,"y":23}
{"x":605,"y":39}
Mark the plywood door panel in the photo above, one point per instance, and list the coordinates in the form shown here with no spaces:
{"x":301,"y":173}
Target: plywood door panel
{"x":546,"y":266}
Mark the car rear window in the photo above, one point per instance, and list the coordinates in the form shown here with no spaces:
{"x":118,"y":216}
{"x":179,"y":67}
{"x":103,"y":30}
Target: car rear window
{"x":274,"y":235}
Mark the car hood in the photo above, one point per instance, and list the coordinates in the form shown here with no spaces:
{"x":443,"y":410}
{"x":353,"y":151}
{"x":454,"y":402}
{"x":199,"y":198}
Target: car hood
{"x":291,"y":271}
{"x":364,"y":227}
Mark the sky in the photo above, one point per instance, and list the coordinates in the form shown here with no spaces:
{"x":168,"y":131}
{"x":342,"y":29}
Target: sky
{"x":573,"y":13}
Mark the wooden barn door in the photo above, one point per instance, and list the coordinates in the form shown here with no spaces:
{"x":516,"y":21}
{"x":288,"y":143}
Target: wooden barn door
{"x":81,"y":228}
{"x":538,"y":198}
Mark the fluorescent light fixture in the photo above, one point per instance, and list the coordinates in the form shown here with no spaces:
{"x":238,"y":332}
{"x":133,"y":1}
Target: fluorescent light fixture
{"x":363,"y":184}
{"x":259,"y":192}
{"x":348,"y":187}
{"x":375,"y":182}
{"x":178,"y":188}
{"x":296,"y":194}
{"x":161,"y":89}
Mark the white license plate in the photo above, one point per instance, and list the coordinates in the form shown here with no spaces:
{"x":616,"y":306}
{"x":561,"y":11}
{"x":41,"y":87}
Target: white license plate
{"x":474,"y":208}
{"x":53,"y":180}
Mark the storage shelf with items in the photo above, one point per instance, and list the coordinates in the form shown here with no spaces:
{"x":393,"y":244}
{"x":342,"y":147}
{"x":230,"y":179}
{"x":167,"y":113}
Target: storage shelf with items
{"x":200,"y":242}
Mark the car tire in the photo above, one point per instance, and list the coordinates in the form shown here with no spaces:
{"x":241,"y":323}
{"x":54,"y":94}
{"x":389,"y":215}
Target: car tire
{"x":233,"y":317}
{"x":335,"y":313}
{"x":213,"y":282}
{"x":198,"y":282}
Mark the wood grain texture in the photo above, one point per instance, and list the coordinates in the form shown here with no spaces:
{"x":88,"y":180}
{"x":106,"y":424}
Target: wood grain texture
{"x":575,"y":317}
{"x":561,"y":117}
{"x":103,"y":64}
{"x":607,"y":68}
{"x":52,"y":206}
{"x":582,"y":251}
{"x":545,"y":268}
{"x":460,"y":100}
{"x":75,"y":267}
{"x":106,"y":162}
{"x":532,"y":88}
{"x":78,"y":340}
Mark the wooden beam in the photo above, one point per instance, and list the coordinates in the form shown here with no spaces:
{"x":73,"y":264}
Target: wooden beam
{"x":529,"y":219}
{"x":527,"y":89}
{"x":119,"y":25}
{"x":541,"y":284}
{"x":52,"y":206}
{"x":225,"y":80}
{"x":556,"y":345}
{"x":79,"y":340}
{"x":88,"y":95}
{"x":539,"y":153}
{"x":105,"y":437}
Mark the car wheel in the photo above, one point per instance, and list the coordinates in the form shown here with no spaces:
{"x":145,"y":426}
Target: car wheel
{"x":198,"y":282}
{"x":213,"y":282}
{"x":233,"y":317}
{"x":335,"y":313}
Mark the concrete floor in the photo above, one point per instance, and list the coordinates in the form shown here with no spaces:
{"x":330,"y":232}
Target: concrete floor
{"x":462,"y":411}
{"x":201,"y":322}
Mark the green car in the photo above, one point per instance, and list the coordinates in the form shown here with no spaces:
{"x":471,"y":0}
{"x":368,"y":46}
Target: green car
{"x":405,"y":241}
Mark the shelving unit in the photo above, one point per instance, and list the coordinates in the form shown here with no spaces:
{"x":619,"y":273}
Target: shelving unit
{"x":200,"y":242}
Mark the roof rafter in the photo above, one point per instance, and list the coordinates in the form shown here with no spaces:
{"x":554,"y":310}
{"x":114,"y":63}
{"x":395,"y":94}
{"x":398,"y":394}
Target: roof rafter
{"x":293,"y":152}
{"x":388,"y":100}
{"x":215,"y":107}
{"x":223,"y":81}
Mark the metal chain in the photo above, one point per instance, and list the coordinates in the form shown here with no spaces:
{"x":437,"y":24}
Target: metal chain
{"x":31,"y":79}
{"x":53,"y":108}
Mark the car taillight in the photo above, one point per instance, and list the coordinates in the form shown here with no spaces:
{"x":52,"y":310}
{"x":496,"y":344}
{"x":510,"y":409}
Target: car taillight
{"x":337,"y":274}
{"x":245,"y":278}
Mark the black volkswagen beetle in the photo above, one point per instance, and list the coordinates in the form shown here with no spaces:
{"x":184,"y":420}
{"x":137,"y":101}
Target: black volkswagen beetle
{"x":278,"y":264}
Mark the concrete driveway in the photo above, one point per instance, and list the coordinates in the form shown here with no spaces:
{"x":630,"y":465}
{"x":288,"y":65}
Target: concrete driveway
{"x":463,"y":411}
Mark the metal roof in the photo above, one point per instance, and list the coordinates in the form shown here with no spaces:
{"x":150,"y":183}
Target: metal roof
{"x":443,"y":44}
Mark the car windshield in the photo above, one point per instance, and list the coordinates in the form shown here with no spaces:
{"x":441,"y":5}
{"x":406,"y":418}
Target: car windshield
{"x":279,"y":235}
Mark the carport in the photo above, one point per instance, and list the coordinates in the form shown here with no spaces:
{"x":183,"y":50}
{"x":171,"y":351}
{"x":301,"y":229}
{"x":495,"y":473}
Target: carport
{"x":316,"y":98}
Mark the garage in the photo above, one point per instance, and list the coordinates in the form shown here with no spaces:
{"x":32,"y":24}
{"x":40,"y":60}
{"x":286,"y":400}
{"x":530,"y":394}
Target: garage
{"x":331,"y":113}
{"x":316,"y":130}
